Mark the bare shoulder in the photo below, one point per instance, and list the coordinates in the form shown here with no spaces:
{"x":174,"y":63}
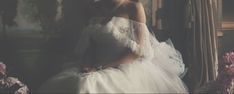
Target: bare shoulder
{"x":137,"y":11}
{"x":135,"y":0}
{"x":136,"y":3}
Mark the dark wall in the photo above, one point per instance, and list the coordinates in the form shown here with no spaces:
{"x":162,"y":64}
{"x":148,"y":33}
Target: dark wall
{"x":174,"y":28}
{"x":33,"y":55}
{"x":228,"y":14}
{"x":226,"y":41}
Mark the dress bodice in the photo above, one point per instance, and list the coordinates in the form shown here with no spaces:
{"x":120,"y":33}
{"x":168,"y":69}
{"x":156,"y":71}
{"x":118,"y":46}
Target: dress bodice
{"x":105,"y":43}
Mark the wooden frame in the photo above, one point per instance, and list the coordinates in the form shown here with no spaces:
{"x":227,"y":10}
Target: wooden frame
{"x":227,"y":25}
{"x":156,"y":4}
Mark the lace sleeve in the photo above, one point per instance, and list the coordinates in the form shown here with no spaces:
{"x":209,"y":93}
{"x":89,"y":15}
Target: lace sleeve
{"x":153,"y":49}
{"x":144,"y":49}
{"x":159,"y":51}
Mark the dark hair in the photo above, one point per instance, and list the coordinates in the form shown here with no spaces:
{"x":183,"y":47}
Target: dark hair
{"x":101,"y":8}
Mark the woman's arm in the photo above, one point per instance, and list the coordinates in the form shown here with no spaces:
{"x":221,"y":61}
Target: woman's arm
{"x":138,"y":14}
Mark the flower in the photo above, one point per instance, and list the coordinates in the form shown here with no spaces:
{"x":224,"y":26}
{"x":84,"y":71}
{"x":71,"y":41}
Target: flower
{"x":232,"y":56}
{"x":230,"y":69}
{"x":2,"y":68}
{"x":226,"y":73}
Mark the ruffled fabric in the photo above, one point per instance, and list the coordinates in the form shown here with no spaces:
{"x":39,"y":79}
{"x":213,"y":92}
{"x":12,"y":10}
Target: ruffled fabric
{"x":151,"y":47}
{"x":141,"y":76}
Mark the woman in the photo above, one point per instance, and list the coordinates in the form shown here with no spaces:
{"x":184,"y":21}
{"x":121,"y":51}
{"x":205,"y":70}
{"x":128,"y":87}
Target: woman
{"x":117,"y":54}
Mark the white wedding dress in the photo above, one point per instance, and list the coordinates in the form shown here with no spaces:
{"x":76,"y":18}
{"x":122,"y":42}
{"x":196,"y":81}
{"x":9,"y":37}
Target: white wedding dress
{"x":158,"y":70}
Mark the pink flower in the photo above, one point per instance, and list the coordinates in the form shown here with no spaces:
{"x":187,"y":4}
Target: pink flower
{"x":226,"y":73}
{"x":2,"y":68}
{"x":229,"y":58}
{"x":231,"y":69}
{"x":225,"y":57}
{"x":232,"y":57}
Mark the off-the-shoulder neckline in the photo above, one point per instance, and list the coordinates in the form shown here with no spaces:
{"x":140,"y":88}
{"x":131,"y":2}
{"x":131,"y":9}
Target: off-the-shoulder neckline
{"x":119,"y":17}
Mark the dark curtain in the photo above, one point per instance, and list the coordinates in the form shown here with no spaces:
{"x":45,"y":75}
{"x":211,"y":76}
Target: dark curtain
{"x":202,"y":20}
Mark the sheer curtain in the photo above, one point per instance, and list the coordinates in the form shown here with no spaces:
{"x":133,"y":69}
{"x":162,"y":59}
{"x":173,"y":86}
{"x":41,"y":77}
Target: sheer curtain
{"x":201,"y":22}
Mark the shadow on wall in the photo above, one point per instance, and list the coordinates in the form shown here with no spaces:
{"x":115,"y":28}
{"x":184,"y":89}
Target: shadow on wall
{"x":35,"y":46}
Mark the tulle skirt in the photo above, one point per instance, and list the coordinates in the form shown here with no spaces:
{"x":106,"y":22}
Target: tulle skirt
{"x":160,"y":74}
